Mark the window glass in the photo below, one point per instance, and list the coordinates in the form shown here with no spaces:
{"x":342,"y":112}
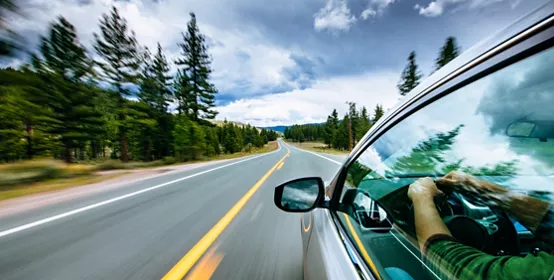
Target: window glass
{"x":494,"y":140}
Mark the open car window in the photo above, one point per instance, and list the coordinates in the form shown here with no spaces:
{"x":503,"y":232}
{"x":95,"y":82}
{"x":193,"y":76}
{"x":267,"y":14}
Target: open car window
{"x":499,"y":129}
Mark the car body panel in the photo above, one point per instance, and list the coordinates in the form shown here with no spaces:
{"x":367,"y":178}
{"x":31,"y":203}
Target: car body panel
{"x":326,"y":256}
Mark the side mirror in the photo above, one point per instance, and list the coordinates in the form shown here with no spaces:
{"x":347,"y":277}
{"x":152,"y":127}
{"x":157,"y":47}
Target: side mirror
{"x":300,"y":195}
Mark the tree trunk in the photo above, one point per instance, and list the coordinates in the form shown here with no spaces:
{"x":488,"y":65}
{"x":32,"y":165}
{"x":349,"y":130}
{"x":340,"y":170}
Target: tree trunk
{"x":68,"y":157}
{"x":29,"y":130}
{"x":148,"y":150}
{"x":122,"y":133}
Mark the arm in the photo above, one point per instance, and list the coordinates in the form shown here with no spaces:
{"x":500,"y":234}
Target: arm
{"x":427,"y":219}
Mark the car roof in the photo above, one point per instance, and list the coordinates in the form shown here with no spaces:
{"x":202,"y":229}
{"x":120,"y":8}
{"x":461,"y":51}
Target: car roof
{"x":471,"y":55}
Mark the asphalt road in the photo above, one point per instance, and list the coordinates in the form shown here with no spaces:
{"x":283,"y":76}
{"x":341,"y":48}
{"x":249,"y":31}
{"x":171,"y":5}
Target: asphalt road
{"x":215,"y":220}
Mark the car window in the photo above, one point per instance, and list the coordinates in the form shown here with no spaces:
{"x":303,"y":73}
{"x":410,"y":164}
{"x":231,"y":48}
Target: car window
{"x":495,"y":137}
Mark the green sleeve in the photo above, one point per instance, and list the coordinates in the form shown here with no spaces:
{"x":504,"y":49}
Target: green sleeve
{"x":453,"y":260}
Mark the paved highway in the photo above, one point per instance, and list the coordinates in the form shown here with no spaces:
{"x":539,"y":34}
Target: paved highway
{"x":215,"y":221}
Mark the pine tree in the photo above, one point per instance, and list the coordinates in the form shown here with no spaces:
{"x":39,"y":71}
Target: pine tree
{"x":331,"y":127}
{"x":189,"y":139}
{"x":64,"y":67}
{"x":410,"y":76}
{"x":378,"y":113}
{"x":155,"y":92}
{"x":195,"y":90}
{"x":341,"y":139}
{"x":364,"y":124}
{"x":448,"y":52}
{"x":119,"y":50}
{"x":354,"y":120}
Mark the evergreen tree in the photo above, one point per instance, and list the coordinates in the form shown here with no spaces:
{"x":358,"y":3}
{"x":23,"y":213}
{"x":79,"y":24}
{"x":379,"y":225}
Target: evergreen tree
{"x":354,"y":120}
{"x":341,"y":139}
{"x":364,"y":124}
{"x":195,"y":90}
{"x":155,"y":92}
{"x":119,"y":50}
{"x":448,"y":52}
{"x":410,"y":76}
{"x":64,"y":67}
{"x":189,"y":139}
{"x":330,"y":128}
{"x":378,"y":113}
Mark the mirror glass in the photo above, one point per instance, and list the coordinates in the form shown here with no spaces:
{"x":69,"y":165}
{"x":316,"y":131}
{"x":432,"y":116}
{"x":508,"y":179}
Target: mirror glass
{"x":300,"y":195}
{"x":520,"y":129}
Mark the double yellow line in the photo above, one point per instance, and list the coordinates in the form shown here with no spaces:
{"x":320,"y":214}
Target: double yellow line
{"x":187,"y":262}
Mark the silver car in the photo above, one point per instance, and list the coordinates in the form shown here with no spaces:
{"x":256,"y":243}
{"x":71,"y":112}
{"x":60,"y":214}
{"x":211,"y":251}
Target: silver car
{"x":481,"y":129}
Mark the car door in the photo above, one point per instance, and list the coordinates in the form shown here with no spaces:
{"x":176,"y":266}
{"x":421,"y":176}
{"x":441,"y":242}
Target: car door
{"x":458,"y":123}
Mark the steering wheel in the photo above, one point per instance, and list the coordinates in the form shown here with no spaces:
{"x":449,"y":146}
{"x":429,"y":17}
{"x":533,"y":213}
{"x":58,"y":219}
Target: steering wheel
{"x":475,"y":224}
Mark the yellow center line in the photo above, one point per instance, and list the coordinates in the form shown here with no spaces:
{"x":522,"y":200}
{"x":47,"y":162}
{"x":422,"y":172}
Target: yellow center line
{"x":280,"y":165}
{"x":207,"y":266}
{"x":187,"y":262}
{"x":361,"y":246}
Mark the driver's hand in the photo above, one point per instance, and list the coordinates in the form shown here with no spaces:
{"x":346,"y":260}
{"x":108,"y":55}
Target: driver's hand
{"x":423,"y":188}
{"x":460,"y":181}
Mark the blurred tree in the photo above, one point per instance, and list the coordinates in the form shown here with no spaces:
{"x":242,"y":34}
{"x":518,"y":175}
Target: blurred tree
{"x":364,"y":124}
{"x":410,"y":76}
{"x":64,"y":65}
{"x":189,"y":139}
{"x":448,"y":52}
{"x":118,"y":48}
{"x":378,"y":113}
{"x":194,"y":91}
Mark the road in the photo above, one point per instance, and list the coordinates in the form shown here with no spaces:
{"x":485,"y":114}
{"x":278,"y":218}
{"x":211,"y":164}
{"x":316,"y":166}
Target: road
{"x":215,"y":221}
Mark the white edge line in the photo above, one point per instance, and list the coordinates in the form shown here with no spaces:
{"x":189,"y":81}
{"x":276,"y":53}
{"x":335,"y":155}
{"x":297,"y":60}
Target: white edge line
{"x":332,"y":160}
{"x":105,"y":202}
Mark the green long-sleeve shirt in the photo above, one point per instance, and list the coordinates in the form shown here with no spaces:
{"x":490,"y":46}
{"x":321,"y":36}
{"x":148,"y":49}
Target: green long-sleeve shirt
{"x":453,"y":260}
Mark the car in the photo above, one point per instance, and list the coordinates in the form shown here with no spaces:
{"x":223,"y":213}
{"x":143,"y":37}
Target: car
{"x":488,"y":115}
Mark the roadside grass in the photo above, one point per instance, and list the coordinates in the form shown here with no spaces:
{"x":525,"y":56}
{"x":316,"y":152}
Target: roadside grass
{"x":317,"y":147}
{"x":14,"y":191}
{"x":43,"y":175}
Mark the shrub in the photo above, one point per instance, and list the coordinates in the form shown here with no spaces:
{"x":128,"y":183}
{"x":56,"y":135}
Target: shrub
{"x":110,"y":165}
{"x":170,"y":160}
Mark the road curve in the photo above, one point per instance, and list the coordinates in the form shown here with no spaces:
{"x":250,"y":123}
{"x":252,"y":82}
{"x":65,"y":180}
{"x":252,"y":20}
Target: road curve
{"x":144,"y":230}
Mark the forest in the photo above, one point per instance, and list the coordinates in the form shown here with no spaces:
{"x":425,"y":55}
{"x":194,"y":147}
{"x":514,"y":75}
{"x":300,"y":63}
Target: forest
{"x":343,"y":134}
{"x":120,"y":102}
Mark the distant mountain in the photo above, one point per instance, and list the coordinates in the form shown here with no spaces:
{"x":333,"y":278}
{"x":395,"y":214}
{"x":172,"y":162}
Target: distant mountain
{"x":281,"y":128}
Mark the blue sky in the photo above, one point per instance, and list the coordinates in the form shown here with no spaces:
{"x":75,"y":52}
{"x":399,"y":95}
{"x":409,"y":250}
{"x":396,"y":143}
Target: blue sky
{"x":293,"y":61}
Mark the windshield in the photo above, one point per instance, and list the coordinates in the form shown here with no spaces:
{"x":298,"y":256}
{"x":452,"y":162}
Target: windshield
{"x":466,"y":130}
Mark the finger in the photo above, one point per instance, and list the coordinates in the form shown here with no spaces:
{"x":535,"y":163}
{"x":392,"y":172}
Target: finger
{"x":445,"y":181}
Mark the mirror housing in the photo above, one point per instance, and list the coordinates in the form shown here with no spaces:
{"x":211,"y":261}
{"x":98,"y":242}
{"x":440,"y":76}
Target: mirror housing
{"x":299,"y":195}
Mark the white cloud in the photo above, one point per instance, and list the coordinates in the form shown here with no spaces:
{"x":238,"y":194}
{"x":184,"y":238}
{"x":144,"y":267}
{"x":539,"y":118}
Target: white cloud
{"x":316,"y":103}
{"x":163,"y":21}
{"x":335,"y":17}
{"x":375,"y":7}
{"x":437,"y":7}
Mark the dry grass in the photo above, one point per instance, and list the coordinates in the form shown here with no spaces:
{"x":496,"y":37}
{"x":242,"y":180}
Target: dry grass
{"x":318,"y":147}
{"x":37,"y":176}
{"x":52,"y":185}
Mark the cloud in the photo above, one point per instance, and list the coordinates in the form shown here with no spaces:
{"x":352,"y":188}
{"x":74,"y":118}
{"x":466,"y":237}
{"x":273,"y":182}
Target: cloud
{"x":314,"y":104}
{"x":437,"y":8}
{"x":334,"y":17}
{"x":375,"y":7}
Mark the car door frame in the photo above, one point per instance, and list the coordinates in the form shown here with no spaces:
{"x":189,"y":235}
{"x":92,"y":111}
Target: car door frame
{"x":535,"y":33}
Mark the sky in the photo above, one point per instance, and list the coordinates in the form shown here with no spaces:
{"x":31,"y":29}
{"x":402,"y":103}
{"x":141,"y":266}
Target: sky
{"x":292,"y":61}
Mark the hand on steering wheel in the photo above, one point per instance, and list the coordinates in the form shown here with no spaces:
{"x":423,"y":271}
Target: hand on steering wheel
{"x":423,"y":188}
